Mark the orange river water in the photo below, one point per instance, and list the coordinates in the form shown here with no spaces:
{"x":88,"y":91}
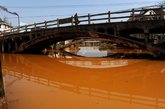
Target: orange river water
{"x":45,"y":82}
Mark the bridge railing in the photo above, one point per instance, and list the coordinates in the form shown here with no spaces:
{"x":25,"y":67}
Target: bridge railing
{"x":108,"y":17}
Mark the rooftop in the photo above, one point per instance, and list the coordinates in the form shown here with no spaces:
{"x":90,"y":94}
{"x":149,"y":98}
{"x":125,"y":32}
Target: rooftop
{"x":5,"y":22}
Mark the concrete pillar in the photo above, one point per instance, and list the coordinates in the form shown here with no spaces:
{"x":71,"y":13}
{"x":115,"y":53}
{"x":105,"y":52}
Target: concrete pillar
{"x":2,"y":46}
{"x":30,"y":37}
{"x":146,"y":35}
{"x":16,"y":45}
{"x":116,"y":32}
{"x":146,"y":38}
{"x":9,"y":47}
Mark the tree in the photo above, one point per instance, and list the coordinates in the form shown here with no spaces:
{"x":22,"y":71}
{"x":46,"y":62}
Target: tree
{"x":161,"y":3}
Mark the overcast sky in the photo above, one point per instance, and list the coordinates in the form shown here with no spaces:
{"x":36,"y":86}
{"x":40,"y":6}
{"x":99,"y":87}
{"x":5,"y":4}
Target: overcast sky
{"x":31,"y":11}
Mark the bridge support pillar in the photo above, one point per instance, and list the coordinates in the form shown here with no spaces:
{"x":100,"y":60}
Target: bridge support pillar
{"x":8,"y":47}
{"x":146,"y":37}
{"x":146,"y":34}
{"x":30,"y":37}
{"x":2,"y":46}
{"x":16,"y":45}
{"x":116,"y":33}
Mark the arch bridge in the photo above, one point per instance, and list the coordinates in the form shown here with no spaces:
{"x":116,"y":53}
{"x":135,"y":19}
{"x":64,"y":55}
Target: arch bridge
{"x":127,"y":27}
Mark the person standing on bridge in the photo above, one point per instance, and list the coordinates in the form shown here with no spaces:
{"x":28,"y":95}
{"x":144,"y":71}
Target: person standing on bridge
{"x":76,"y":20}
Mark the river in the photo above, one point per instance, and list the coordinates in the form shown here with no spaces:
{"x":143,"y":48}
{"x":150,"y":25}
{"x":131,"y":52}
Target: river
{"x":76,"y":82}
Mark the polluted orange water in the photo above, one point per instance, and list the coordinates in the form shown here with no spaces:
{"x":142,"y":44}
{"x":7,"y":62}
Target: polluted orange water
{"x":45,"y":82}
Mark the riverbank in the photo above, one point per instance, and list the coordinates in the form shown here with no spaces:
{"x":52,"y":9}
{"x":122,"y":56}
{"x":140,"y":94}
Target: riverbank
{"x":3,"y":103}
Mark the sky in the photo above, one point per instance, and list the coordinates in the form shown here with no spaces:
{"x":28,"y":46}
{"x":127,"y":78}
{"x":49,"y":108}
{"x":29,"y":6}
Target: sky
{"x":34,"y":11}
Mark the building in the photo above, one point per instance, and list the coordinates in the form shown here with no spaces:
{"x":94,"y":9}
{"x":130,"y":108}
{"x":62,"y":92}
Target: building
{"x":148,"y":14}
{"x":4,"y":26}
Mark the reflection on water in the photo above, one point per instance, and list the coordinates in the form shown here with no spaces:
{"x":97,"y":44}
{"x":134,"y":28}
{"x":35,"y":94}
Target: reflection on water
{"x":91,"y":52}
{"x":42,"y":82}
{"x":96,"y":64}
{"x":89,"y":62}
{"x":96,"y":48}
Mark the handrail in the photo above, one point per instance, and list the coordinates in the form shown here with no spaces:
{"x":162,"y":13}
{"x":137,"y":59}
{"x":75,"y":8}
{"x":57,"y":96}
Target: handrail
{"x":116,"y":16}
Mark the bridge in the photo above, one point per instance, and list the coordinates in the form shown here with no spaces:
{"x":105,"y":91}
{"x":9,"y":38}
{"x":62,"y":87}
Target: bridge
{"x":134,"y":27}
